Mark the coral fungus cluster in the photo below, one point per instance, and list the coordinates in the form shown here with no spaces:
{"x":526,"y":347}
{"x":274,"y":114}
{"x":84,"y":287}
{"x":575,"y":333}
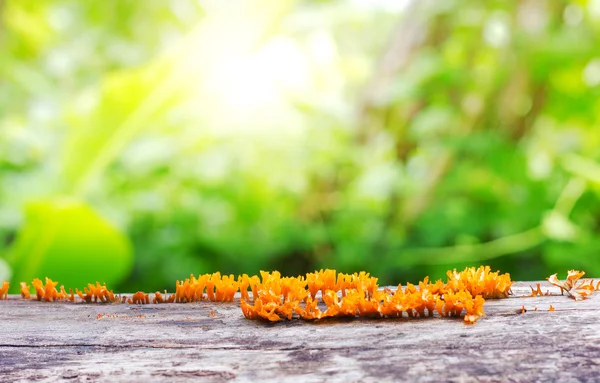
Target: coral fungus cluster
{"x":218,"y":288}
{"x":47,"y":291}
{"x":480,"y":281}
{"x":213,"y":287}
{"x":358,"y":295}
{"x":575,"y":288}
{"x":4,"y":290}
{"x":322,"y":294}
{"x":325,"y":294}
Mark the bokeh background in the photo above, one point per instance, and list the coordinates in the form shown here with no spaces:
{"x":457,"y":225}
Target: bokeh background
{"x":141,"y":141}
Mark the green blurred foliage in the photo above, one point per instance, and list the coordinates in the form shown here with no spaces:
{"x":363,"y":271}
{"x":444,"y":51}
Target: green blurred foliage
{"x":144,"y":141}
{"x":69,"y":241}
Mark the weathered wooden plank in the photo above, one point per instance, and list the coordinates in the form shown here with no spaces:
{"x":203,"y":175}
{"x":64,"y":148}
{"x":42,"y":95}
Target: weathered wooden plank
{"x":205,"y":341}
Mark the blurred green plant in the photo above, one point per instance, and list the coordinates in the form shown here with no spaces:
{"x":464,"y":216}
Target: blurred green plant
{"x":71,"y":242}
{"x":143,"y":141}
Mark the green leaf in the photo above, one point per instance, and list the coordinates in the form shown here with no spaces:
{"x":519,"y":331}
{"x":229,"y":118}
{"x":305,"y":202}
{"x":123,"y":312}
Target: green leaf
{"x":128,"y":102}
{"x":4,"y":271}
{"x":66,"y":240}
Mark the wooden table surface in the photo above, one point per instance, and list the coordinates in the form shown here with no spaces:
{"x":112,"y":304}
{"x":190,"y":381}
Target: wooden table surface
{"x":213,"y":342}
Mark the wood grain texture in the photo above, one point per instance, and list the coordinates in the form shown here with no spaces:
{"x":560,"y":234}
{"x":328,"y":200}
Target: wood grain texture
{"x":213,"y":342}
